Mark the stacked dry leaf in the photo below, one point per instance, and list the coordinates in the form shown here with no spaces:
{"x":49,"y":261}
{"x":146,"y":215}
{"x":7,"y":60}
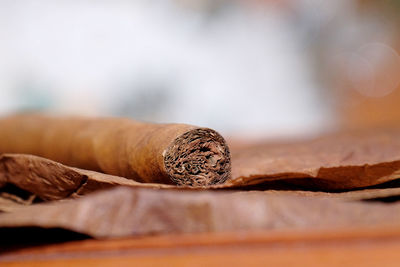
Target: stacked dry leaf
{"x":319,"y":181}
{"x":122,"y":212}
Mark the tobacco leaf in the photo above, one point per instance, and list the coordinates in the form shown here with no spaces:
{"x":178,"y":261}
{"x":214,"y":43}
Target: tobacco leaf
{"x":341,"y":161}
{"x":122,"y":212}
{"x":384,"y":194}
{"x":8,"y":203}
{"x":49,"y":180}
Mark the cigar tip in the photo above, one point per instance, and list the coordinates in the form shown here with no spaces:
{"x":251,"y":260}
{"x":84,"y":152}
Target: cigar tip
{"x":199,"y":157}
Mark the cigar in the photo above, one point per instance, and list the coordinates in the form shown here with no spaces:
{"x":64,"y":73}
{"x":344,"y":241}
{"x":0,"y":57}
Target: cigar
{"x":145,"y":152}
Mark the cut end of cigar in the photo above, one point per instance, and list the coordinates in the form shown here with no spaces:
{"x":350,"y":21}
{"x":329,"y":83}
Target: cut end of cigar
{"x":199,"y":157}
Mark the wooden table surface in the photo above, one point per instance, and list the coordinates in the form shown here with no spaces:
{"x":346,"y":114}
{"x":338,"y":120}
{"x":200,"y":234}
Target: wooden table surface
{"x":341,"y":247}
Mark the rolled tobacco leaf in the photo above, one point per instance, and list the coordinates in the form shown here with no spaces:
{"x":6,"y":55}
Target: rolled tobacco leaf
{"x":152,"y":153}
{"x":27,"y":179}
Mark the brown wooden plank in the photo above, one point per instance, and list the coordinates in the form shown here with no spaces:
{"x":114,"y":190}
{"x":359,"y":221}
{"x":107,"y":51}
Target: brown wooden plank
{"x":361,"y":247}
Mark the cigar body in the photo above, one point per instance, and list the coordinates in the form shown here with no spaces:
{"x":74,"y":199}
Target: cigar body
{"x":146,"y":152}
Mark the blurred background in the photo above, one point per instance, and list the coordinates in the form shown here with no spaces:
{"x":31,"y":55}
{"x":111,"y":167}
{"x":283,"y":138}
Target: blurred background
{"x":247,"y":68}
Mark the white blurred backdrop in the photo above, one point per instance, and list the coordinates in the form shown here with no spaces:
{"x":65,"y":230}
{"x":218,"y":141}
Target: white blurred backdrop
{"x":245,"y":68}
